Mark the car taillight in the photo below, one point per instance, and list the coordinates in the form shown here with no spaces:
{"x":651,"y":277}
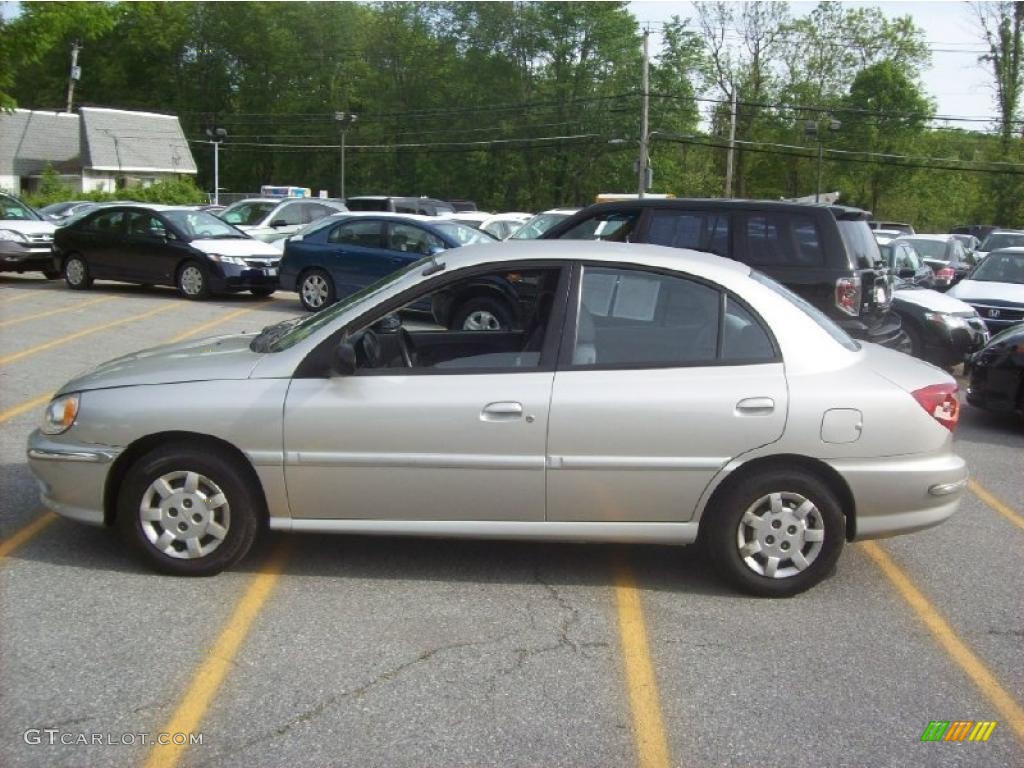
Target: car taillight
{"x":941,"y":402}
{"x":848,"y":295}
{"x":946,"y":274}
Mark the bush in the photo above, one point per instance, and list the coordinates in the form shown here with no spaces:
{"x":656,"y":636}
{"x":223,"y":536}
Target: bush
{"x":178,"y":191}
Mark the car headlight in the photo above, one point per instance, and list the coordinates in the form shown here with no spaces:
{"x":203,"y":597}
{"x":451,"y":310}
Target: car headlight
{"x":10,"y":234}
{"x":945,"y":319}
{"x":60,"y":414}
{"x":236,"y":260}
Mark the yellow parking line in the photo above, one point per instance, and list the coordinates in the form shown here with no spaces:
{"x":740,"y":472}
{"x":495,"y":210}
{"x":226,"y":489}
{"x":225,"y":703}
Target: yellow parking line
{"x":211,"y":673}
{"x":20,"y":297}
{"x":641,"y":684}
{"x":212,"y":323}
{"x":1010,"y":711}
{"x":50,"y":312}
{"x":25,"y":533}
{"x":15,"y":356}
{"x":28,"y":405}
{"x":986,"y":496}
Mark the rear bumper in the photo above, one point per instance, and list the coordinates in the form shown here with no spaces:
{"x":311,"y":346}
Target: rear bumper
{"x":902,"y":494}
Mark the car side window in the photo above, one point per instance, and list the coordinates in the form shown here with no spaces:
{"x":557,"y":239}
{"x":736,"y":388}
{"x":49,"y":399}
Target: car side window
{"x":766,"y":244}
{"x":808,"y":242}
{"x":489,"y":321}
{"x":364,"y":234}
{"x":409,"y":239}
{"x":629,"y":317}
{"x":145,"y":225}
{"x":616,"y":226}
{"x":291,"y":215}
{"x":744,"y":338}
{"x":110,"y":222}
{"x":701,"y":231}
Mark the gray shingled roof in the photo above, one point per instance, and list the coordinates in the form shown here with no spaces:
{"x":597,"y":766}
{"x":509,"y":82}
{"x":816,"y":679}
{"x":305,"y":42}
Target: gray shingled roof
{"x":30,"y":140}
{"x":116,"y":140}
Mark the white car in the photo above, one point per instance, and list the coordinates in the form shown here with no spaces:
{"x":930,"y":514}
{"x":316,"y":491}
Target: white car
{"x":501,"y":225}
{"x":541,"y":223}
{"x":274,"y":218}
{"x":26,"y":239}
{"x":996,"y":289}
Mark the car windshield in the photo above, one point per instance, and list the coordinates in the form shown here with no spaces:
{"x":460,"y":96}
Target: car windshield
{"x":463,"y":234}
{"x":313,"y":226}
{"x":819,"y":317}
{"x":12,"y":209}
{"x":999,"y":240}
{"x":281,"y":336}
{"x":200,"y":225}
{"x":537,"y":226}
{"x":1001,"y":268}
{"x":247,"y":212}
{"x":860,"y":242}
{"x":931,"y":249}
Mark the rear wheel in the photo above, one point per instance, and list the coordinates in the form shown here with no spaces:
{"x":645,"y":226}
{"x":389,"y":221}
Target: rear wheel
{"x":188,"y":511}
{"x":482,"y":314}
{"x":76,"y":273}
{"x":777,"y":533}
{"x":316,"y":290}
{"x":192,"y":281}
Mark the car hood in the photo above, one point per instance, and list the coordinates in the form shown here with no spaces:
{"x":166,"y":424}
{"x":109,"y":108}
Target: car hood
{"x":28,"y":227}
{"x":933,"y":300}
{"x":978,"y":290}
{"x":215,"y":357}
{"x":235,"y":247}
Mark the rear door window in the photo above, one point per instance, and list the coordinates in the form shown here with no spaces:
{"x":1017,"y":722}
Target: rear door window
{"x":364,"y":234}
{"x":700,"y":230}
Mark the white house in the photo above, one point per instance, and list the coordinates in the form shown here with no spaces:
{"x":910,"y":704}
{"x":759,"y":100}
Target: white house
{"x":95,"y":149}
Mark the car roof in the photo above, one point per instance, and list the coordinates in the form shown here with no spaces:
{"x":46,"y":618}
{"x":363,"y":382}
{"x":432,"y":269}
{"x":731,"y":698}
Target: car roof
{"x":394,"y":215}
{"x":566,"y":211}
{"x":699,"y":203}
{"x":936,"y":238}
{"x":283,"y":200}
{"x":1006,"y":232}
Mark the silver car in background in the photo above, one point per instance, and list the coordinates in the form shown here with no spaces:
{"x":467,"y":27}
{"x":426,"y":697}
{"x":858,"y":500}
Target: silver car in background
{"x":643,"y":394}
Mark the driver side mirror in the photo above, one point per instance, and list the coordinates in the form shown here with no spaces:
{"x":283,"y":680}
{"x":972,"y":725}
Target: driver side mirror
{"x":344,"y":363}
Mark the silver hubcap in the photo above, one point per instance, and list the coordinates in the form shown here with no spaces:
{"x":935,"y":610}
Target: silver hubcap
{"x":314,"y":291}
{"x":780,"y":535}
{"x":75,"y":271}
{"x":191,"y":280}
{"x":481,"y":320}
{"x":184,"y":515}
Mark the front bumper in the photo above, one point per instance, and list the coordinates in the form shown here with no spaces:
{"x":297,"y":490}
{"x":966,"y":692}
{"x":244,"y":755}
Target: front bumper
{"x":949,"y":346}
{"x":902,"y":494}
{"x":993,"y":388}
{"x":232,"y":277}
{"x":25,"y":257}
{"x":71,"y":476}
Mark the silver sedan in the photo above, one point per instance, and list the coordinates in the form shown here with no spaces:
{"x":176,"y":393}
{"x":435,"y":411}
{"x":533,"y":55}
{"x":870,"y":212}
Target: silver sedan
{"x":628,"y":393}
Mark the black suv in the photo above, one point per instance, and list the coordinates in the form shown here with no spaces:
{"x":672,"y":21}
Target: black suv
{"x":826,"y":253}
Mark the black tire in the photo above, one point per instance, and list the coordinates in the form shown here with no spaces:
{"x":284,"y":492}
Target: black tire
{"x":262,"y":293}
{"x":316,"y":290}
{"x":482,"y":313}
{"x":244,"y":507}
{"x":193,"y":281}
{"x":916,"y":344}
{"x":76,"y":273}
{"x":51,"y":274}
{"x":724,"y":530}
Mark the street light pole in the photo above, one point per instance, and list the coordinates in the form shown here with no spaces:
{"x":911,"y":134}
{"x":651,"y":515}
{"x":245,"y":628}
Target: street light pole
{"x":344,"y":121}
{"x":811,"y":128}
{"x":217,"y":135}
{"x":644,"y":108}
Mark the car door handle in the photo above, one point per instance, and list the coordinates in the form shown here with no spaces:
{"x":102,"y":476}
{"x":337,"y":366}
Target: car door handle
{"x":502,"y":411}
{"x":755,"y":405}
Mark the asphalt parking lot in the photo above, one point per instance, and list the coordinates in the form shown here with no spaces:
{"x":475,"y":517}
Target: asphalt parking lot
{"x":346,"y":651}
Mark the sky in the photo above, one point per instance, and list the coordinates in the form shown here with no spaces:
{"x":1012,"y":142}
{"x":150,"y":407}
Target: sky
{"x":957,"y":82}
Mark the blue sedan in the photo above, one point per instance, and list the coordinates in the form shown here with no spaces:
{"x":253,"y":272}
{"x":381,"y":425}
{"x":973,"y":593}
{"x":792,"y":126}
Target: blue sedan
{"x":342,"y":254}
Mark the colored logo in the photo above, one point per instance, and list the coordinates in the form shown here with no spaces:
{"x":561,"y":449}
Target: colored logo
{"x":958,"y":730}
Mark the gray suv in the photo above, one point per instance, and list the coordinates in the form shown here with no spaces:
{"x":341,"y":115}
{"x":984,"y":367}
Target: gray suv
{"x":825,"y":253}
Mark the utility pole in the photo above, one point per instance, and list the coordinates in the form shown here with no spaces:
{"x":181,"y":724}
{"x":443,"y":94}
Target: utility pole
{"x":344,"y":121}
{"x":75,"y":73}
{"x":730,"y":159}
{"x":811,"y":128}
{"x":217,"y":135}
{"x":644,"y":108}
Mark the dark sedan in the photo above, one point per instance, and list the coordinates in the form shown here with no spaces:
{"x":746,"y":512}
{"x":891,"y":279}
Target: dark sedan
{"x":945,"y":254}
{"x":160,"y":245}
{"x":997,"y":373}
{"x":342,"y":254}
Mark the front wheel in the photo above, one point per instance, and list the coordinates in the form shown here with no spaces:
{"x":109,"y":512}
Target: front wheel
{"x":776,"y":534}
{"x":76,"y":273}
{"x":482,"y":314}
{"x":192,"y":281}
{"x":188,"y":511}
{"x":316,"y":290}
